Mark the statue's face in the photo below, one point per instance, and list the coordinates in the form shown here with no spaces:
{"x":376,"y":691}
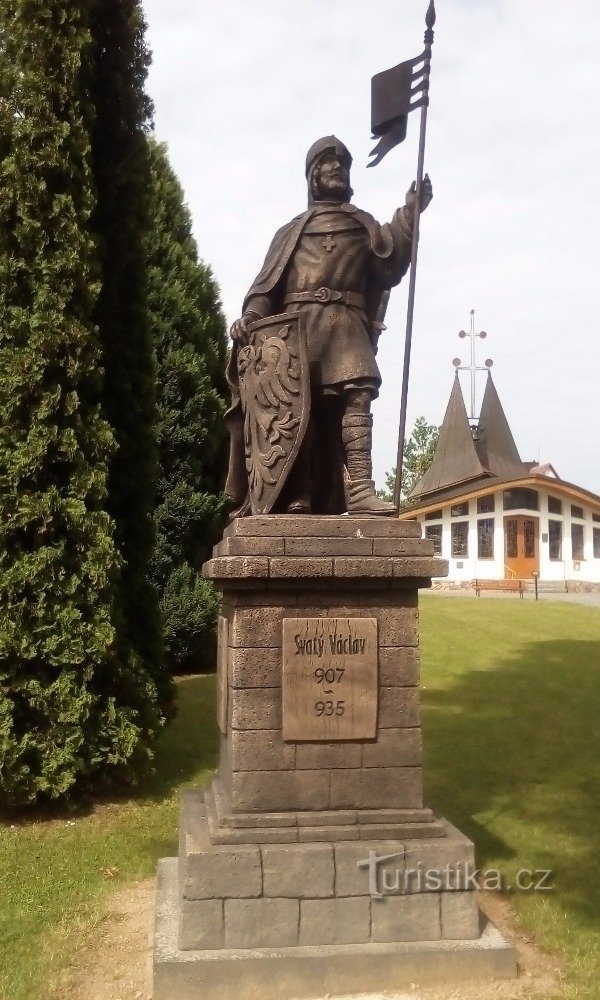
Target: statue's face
{"x":333,"y":176}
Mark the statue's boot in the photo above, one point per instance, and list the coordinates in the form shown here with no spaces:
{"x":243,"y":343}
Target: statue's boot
{"x":301,"y":505}
{"x":357,"y":436}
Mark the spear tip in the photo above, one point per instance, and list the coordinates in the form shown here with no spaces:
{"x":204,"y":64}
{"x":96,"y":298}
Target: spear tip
{"x":430,"y":15}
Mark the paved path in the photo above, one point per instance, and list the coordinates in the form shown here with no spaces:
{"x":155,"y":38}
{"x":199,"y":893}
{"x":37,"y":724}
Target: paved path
{"x":592,"y":598}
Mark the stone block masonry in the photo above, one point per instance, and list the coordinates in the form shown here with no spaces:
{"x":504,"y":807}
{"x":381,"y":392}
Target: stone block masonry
{"x":310,"y":864}
{"x":319,"y":568}
{"x":300,"y":893}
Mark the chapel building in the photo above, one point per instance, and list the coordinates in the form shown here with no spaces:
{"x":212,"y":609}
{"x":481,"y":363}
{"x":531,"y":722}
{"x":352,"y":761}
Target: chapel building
{"x":497,"y":518}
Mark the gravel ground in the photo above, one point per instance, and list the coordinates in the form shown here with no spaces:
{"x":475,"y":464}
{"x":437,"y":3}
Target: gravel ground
{"x":118,"y":965}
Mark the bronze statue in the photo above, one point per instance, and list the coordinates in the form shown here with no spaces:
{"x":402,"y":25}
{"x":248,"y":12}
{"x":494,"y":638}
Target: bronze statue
{"x":302,"y":370}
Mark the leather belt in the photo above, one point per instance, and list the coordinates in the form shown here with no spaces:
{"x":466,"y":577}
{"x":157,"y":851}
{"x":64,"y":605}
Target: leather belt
{"x":324,"y":295}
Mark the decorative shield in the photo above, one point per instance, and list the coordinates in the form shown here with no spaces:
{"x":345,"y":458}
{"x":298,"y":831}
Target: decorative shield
{"x":274,"y":386}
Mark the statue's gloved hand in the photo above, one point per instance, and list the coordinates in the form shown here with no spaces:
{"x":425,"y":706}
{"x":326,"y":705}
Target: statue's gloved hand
{"x":239,"y":329}
{"x":411,"y":197}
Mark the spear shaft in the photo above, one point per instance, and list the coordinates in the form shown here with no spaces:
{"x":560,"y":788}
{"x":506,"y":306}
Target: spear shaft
{"x":429,"y":21}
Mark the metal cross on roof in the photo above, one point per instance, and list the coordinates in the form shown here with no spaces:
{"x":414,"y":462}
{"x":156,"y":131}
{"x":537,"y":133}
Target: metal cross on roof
{"x":473,"y":367}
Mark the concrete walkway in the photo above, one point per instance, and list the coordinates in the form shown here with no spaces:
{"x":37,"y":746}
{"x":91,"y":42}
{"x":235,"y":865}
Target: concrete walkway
{"x":592,"y":598}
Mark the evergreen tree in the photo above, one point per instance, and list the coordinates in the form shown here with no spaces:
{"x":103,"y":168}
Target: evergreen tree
{"x":419,"y":450}
{"x":76,"y":706}
{"x":121,"y":166}
{"x":189,"y":336}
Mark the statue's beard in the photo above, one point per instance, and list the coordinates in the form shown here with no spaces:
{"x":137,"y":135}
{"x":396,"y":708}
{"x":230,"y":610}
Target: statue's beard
{"x":330,"y":189}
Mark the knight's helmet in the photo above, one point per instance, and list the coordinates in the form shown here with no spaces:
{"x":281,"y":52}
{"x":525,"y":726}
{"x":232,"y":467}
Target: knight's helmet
{"x":328,"y":144}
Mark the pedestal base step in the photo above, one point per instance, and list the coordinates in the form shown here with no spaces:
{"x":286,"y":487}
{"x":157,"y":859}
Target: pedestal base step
{"x":303,"y":827}
{"x":272,"y":895}
{"x":311,"y":971}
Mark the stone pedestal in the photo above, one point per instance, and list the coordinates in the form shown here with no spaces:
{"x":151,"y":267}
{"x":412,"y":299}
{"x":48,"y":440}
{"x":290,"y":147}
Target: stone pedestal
{"x":314,"y":833}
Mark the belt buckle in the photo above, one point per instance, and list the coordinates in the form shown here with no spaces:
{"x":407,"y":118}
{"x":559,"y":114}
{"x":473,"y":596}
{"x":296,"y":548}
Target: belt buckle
{"x":323,"y":294}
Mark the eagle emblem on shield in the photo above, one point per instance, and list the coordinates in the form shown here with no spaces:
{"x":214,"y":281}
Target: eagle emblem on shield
{"x":274,"y":386}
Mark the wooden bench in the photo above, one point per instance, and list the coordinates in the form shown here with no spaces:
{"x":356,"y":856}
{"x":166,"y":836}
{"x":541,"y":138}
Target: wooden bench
{"x":510,"y":586}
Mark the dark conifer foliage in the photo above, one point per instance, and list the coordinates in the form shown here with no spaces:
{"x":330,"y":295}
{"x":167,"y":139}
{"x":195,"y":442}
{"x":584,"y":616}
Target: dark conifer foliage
{"x":189,"y":335}
{"x":77,"y":706}
{"x":82,"y":698}
{"x":120,"y":159}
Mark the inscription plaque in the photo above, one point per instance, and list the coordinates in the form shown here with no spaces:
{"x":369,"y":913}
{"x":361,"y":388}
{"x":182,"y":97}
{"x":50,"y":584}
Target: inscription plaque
{"x":329,"y":679}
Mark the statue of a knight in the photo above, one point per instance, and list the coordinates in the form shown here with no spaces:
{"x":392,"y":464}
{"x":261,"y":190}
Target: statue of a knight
{"x":302,"y":371}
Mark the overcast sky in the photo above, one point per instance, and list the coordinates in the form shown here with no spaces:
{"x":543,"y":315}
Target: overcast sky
{"x":241,"y":90}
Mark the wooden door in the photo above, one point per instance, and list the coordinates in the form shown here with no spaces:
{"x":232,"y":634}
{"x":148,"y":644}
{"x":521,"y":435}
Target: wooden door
{"x":521,"y":547}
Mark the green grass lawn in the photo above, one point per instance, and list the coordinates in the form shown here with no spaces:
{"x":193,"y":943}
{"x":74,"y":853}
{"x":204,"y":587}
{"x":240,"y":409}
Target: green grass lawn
{"x":511,"y":718}
{"x":511,"y":707}
{"x":52,"y":872}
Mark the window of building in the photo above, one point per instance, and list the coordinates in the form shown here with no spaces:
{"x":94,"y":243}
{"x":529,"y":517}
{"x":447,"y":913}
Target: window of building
{"x":555,"y":539}
{"x":521,"y":498}
{"x":434,"y":515}
{"x":510,"y":534}
{"x":596,"y":543}
{"x":529,"y":533}
{"x":576,"y":511}
{"x":460,"y":539}
{"x":554,"y":505}
{"x":577,"y":541}
{"x":434,"y":531}
{"x":460,"y":509}
{"x":595,"y":517}
{"x":485,"y":538}
{"x":486,"y":505}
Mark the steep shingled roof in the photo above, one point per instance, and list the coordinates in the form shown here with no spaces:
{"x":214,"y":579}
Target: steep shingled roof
{"x":455,"y":460}
{"x":495,"y":444}
{"x":462,"y":457}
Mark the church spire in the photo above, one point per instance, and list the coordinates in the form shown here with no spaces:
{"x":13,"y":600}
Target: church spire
{"x":455,"y":460}
{"x":495,"y":444}
{"x":470,"y":450}
{"x":473,"y":368}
